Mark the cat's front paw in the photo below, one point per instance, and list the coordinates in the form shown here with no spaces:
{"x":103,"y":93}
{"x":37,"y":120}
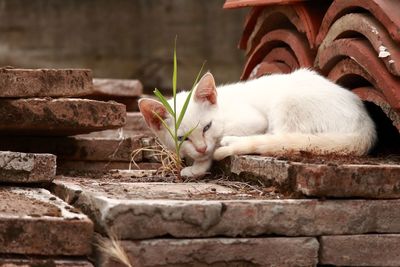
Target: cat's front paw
{"x":223,"y":152}
{"x":192,"y":171}
{"x":229,"y":140}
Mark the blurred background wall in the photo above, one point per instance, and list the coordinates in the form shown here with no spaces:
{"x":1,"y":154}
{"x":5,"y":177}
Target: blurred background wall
{"x":123,"y":38}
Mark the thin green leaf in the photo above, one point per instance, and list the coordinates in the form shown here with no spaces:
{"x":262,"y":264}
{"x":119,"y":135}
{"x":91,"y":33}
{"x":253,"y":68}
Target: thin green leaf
{"x":175,"y":72}
{"x":165,"y":124}
{"x":186,"y":104}
{"x":164,"y":102}
{"x":186,"y":135}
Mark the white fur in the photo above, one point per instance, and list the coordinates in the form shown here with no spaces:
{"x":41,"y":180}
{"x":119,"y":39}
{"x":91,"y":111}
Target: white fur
{"x":301,"y":111}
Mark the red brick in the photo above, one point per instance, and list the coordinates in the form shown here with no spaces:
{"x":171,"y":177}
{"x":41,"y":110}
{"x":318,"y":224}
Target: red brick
{"x":63,"y":116}
{"x":45,"y":82}
{"x":40,"y":262}
{"x":193,"y":214}
{"x":33,"y":221}
{"x":373,"y":31}
{"x":120,"y":90}
{"x":385,"y":11}
{"x":297,"y":43}
{"x":360,"y":51}
{"x":283,"y":54}
{"x":77,"y":148}
{"x":25,"y":168}
{"x":265,"y":68}
{"x":269,"y":251}
{"x":360,"y":250}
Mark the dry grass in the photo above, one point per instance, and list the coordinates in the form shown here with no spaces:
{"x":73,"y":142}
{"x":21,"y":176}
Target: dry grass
{"x":112,"y":247}
{"x":170,"y":164}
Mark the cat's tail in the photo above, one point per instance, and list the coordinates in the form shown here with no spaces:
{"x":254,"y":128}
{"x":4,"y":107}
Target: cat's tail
{"x":275,"y":144}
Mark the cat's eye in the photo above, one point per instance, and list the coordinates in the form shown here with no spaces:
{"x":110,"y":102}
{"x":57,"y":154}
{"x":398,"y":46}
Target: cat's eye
{"x":182,"y":138}
{"x":207,"y":127}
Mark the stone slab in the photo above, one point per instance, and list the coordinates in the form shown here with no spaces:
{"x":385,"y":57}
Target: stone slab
{"x":117,"y":87}
{"x":377,"y":179}
{"x":33,"y":221}
{"x":24,"y":83}
{"x":77,"y":148}
{"x":133,"y":217}
{"x":36,"y":262}
{"x":26,"y":168}
{"x":360,"y":250}
{"x":135,"y":124}
{"x":39,"y":116}
{"x":66,"y":166}
{"x":302,"y":251}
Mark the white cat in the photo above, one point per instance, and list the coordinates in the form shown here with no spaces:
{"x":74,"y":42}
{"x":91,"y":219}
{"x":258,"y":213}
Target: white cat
{"x":300,"y":111}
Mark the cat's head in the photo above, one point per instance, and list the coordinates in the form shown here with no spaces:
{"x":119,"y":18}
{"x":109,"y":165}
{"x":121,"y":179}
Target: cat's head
{"x":201,"y":114}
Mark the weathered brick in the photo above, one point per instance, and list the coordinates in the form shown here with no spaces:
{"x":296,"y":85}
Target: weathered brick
{"x":18,"y":167}
{"x":15,"y":83}
{"x":120,"y":90}
{"x":199,"y":215}
{"x":267,"y":169}
{"x":329,"y":180}
{"x":33,"y":221}
{"x":59,"y":116}
{"x":361,"y":250}
{"x":36,"y":262}
{"x":323,"y":180}
{"x":302,"y":251}
{"x":77,"y":148}
{"x":66,"y":166}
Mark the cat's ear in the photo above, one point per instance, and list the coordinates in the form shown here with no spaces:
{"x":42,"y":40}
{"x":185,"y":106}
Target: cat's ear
{"x":148,"y":107}
{"x":206,"y":89}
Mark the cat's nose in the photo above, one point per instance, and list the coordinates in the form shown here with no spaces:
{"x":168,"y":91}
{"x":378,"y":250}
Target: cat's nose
{"x":202,"y":149}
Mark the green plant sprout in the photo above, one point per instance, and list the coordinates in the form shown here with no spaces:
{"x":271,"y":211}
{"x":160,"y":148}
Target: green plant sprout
{"x":172,"y":110}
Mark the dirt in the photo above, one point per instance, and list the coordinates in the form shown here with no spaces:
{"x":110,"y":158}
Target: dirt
{"x":21,"y":205}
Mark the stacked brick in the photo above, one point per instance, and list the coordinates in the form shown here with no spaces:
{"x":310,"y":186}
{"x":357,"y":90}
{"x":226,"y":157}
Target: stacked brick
{"x":42,"y":110}
{"x":354,"y":43}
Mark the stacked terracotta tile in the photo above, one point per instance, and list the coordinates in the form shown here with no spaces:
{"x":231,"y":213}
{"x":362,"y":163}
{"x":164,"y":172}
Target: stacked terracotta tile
{"x":354,"y":43}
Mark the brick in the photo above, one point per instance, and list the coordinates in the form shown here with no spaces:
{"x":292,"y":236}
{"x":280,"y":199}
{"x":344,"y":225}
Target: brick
{"x":302,"y":251}
{"x":135,"y":124}
{"x":330,"y":180}
{"x":33,"y":262}
{"x":59,"y":116}
{"x":123,"y":91}
{"x":384,"y":11}
{"x":360,"y":51}
{"x":117,"y":87}
{"x":33,"y":221}
{"x":26,"y":168}
{"x":360,"y":250}
{"x":24,"y":83}
{"x":66,"y":166}
{"x":279,"y":38}
{"x":77,"y":148}
{"x":367,"y":26}
{"x":377,"y":180}
{"x":208,"y":215}
{"x":267,"y":169}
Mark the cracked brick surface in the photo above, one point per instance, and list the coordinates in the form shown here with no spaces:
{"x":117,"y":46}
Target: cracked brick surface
{"x":279,"y":251}
{"x":35,"y":222}
{"x":45,"y":82}
{"x":38,"y":116}
{"x":191,"y":215}
{"x":18,"y":167}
